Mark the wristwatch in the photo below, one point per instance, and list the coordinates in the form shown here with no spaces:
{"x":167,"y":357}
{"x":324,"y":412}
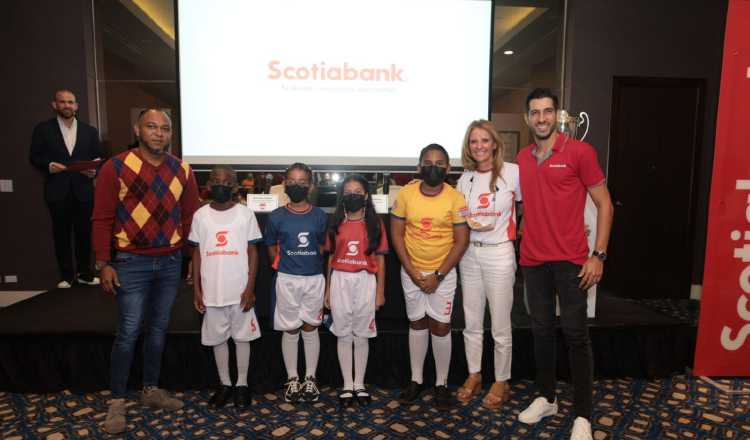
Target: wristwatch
{"x":439,"y":275}
{"x":600,"y":255}
{"x":99,"y":265}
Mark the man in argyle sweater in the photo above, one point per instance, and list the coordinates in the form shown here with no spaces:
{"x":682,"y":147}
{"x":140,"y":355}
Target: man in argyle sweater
{"x":143,"y":207}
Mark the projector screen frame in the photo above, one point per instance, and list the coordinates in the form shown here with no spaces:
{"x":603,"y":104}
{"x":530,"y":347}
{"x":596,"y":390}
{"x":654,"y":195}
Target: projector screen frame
{"x":313,"y":161}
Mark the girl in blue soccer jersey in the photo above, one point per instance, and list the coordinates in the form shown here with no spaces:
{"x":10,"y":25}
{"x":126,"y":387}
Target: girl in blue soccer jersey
{"x":296,"y":235}
{"x":356,"y":282}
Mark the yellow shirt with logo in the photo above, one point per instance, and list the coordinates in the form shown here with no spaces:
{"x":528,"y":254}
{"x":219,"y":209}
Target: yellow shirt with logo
{"x":429,"y":223}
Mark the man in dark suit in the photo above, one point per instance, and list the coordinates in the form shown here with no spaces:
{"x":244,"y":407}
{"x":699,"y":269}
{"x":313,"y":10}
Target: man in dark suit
{"x":55,"y":144}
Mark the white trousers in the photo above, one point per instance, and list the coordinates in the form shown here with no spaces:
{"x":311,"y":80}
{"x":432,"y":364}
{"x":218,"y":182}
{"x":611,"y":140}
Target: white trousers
{"x":487,"y":276}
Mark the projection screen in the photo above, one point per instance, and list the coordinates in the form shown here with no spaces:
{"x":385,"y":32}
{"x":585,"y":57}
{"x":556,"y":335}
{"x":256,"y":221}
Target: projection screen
{"x":351,"y":82}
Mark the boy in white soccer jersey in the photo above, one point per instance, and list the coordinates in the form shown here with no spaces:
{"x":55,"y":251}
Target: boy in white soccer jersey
{"x":296,"y":237}
{"x":356,"y":282}
{"x":225,"y":261}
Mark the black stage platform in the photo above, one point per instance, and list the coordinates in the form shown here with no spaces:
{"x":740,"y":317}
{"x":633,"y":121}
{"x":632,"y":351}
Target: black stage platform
{"x":61,"y":339}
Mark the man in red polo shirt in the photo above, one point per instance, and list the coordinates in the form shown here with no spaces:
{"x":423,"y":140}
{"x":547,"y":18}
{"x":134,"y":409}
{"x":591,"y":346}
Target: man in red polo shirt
{"x":556,"y":172}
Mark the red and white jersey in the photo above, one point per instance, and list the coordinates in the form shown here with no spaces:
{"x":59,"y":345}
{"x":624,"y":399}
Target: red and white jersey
{"x":223,"y":237}
{"x":351,"y":244}
{"x":498,"y":209}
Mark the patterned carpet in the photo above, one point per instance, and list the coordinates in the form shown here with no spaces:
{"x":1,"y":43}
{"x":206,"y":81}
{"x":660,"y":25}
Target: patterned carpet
{"x":677,"y":408}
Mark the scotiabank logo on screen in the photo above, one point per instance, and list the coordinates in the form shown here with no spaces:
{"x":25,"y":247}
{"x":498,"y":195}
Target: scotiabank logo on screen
{"x":278,"y":70}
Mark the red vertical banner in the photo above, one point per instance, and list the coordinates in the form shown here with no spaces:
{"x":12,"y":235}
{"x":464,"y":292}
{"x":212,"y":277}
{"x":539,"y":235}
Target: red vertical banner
{"x":723,"y":347}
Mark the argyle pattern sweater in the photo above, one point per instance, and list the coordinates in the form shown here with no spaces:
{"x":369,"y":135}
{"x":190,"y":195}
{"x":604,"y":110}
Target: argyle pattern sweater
{"x":142,"y":208}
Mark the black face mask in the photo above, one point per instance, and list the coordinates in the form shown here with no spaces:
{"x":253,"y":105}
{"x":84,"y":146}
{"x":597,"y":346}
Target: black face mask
{"x":433,"y":175}
{"x":353,"y":202}
{"x":296,"y":193}
{"x":220,"y":193}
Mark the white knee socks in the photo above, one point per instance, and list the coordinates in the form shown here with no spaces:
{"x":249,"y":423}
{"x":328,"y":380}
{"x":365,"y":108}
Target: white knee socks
{"x":361,"y":351}
{"x":221,"y":355}
{"x":311,"y":342}
{"x":419,"y":340}
{"x":289,"y":350}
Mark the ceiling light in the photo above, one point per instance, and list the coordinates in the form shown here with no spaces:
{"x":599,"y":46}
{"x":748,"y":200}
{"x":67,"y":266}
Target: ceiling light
{"x":508,"y":52}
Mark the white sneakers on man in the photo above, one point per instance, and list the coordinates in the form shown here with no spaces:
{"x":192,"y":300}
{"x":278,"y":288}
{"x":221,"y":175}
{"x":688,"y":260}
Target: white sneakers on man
{"x":581,"y":430}
{"x":538,"y":410}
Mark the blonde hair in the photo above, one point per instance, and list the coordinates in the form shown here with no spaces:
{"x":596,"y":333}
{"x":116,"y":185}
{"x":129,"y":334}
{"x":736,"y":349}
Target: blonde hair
{"x":468,"y":161}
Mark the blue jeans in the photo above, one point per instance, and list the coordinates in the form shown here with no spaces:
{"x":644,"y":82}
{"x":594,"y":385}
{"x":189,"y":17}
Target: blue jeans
{"x":541,"y":283}
{"x":148,"y":287}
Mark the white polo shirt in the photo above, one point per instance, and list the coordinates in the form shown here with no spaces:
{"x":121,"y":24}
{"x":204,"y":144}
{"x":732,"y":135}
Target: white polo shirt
{"x":223,"y":237}
{"x":498,"y":209}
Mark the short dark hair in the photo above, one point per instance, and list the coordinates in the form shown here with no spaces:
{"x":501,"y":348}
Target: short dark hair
{"x":54,"y":96}
{"x":540,"y":93}
{"x":228,"y":169}
{"x":434,"y":147}
{"x":299,"y":166}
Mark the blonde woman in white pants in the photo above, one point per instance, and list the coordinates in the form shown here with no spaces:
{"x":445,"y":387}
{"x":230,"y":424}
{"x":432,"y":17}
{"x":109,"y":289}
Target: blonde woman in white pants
{"x":491,"y":189}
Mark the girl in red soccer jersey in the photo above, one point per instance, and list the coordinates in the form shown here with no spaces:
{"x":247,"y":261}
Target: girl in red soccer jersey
{"x":356,"y":282}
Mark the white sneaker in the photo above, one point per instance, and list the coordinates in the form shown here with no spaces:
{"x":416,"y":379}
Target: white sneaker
{"x":538,"y":410}
{"x":88,"y":280}
{"x":63,"y":285}
{"x":581,"y":430}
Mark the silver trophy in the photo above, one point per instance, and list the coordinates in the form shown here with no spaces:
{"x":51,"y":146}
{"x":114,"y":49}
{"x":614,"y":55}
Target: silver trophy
{"x":571,"y":124}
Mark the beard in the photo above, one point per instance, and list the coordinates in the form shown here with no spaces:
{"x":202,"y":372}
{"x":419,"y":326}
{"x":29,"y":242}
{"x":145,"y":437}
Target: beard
{"x":66,"y":113}
{"x":154,"y":150}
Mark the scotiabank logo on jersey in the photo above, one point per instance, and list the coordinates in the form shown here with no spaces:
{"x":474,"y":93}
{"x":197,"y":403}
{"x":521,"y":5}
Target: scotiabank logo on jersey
{"x":221,"y":238}
{"x":425,"y":227}
{"x":303,"y":241}
{"x":221,"y":241}
{"x":484,"y":201}
{"x":352,"y":250}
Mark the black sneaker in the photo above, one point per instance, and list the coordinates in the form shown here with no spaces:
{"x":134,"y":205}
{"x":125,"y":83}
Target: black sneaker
{"x":363,"y":397}
{"x":346,"y":398}
{"x":242,"y":397}
{"x":221,"y":396}
{"x":411,"y":392}
{"x":443,"y":398}
{"x":292,"y":391}
{"x":310,"y":390}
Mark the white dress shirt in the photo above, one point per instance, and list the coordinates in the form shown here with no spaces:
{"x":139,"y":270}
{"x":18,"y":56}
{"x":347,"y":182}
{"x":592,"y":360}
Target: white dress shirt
{"x":69,"y":134}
